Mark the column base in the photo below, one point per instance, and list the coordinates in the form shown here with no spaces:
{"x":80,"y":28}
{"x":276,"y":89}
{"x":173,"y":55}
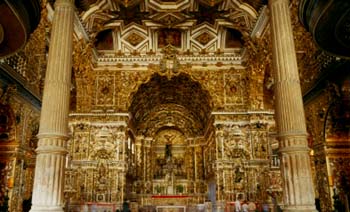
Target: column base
{"x":46,"y":209}
{"x":299,"y":209}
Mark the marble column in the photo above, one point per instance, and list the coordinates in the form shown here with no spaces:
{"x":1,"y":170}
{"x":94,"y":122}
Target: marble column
{"x":53,"y":132}
{"x":296,"y":169}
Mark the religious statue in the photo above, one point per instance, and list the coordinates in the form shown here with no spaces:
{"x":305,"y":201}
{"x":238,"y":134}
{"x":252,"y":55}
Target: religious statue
{"x":238,"y":175}
{"x":168,"y":146}
{"x":168,"y":153}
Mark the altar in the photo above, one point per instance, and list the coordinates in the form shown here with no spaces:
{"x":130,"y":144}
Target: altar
{"x":170,"y":208}
{"x":163,"y":201}
{"x":93,"y":207}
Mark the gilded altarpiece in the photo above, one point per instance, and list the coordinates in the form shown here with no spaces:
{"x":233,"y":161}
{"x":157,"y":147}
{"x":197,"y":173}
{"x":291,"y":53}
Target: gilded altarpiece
{"x":112,"y":90}
{"x":200,"y":150}
{"x":96,"y":165}
{"x":246,"y":165}
{"x":328,"y":138}
{"x":18,"y":128}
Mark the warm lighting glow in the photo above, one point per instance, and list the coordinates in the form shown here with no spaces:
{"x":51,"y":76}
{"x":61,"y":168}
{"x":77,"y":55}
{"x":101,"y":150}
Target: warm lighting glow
{"x":312,"y":152}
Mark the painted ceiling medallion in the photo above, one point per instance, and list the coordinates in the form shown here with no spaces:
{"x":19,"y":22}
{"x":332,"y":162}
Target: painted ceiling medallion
{"x":204,"y":38}
{"x":134,"y":39}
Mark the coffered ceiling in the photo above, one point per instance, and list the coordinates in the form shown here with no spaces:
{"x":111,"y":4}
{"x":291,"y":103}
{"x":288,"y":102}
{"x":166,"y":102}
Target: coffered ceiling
{"x":144,"y":27}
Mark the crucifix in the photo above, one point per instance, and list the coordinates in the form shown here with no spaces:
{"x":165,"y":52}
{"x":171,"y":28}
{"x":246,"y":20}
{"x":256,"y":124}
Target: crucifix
{"x":168,"y":146}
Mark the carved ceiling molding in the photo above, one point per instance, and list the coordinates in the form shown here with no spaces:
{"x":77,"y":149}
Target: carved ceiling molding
{"x":243,"y":118}
{"x":172,"y":117}
{"x":176,"y":5}
{"x":136,"y":29}
{"x":146,"y":9}
{"x":218,"y":61}
{"x":86,"y":120}
{"x":179,"y":90}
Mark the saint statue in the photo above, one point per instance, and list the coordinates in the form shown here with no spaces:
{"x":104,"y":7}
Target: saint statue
{"x":168,"y":146}
{"x":168,"y":153}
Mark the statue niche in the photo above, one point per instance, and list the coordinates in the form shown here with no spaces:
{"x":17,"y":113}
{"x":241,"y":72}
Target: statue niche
{"x":169,"y":160}
{"x":168,"y":145}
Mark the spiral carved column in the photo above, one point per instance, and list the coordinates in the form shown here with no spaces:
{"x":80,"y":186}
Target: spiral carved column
{"x":298,"y":188}
{"x":53,"y":133}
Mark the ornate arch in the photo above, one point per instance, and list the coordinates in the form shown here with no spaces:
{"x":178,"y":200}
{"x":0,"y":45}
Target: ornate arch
{"x":177,"y":102}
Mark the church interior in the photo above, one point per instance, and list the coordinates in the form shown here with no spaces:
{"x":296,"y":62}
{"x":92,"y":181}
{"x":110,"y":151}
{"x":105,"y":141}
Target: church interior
{"x":174,"y":105}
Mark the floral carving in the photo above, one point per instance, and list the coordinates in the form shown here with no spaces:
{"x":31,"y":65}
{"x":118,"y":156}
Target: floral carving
{"x":134,"y":39}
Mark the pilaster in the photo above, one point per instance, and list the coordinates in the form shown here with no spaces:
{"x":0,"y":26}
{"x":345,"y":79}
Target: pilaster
{"x":139,"y":156}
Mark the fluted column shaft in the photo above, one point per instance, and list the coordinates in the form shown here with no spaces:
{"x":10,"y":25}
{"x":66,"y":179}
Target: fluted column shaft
{"x":53,"y":132}
{"x":298,"y":188}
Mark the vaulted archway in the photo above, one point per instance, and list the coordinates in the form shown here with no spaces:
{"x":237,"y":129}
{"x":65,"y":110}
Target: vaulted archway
{"x":169,"y":121}
{"x":178,"y":102}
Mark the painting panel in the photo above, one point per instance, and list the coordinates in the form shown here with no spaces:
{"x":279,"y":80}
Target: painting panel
{"x":104,"y":40}
{"x":233,"y":39}
{"x":234,"y":89}
{"x":169,"y":36}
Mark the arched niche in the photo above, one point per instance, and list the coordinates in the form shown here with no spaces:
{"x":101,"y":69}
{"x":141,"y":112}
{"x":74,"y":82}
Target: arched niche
{"x":233,"y":38}
{"x":104,"y":40}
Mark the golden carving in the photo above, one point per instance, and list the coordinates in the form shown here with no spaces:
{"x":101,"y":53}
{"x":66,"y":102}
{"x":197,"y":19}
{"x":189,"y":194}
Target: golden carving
{"x":260,"y":80}
{"x":100,"y":177}
{"x":169,"y":65}
{"x":82,"y":69}
{"x":307,"y":53}
{"x":35,"y":53}
{"x":170,"y":120}
{"x":134,"y":39}
{"x":235,"y":87}
{"x":17,"y":148}
{"x":204,"y":38}
{"x":105,"y":90}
